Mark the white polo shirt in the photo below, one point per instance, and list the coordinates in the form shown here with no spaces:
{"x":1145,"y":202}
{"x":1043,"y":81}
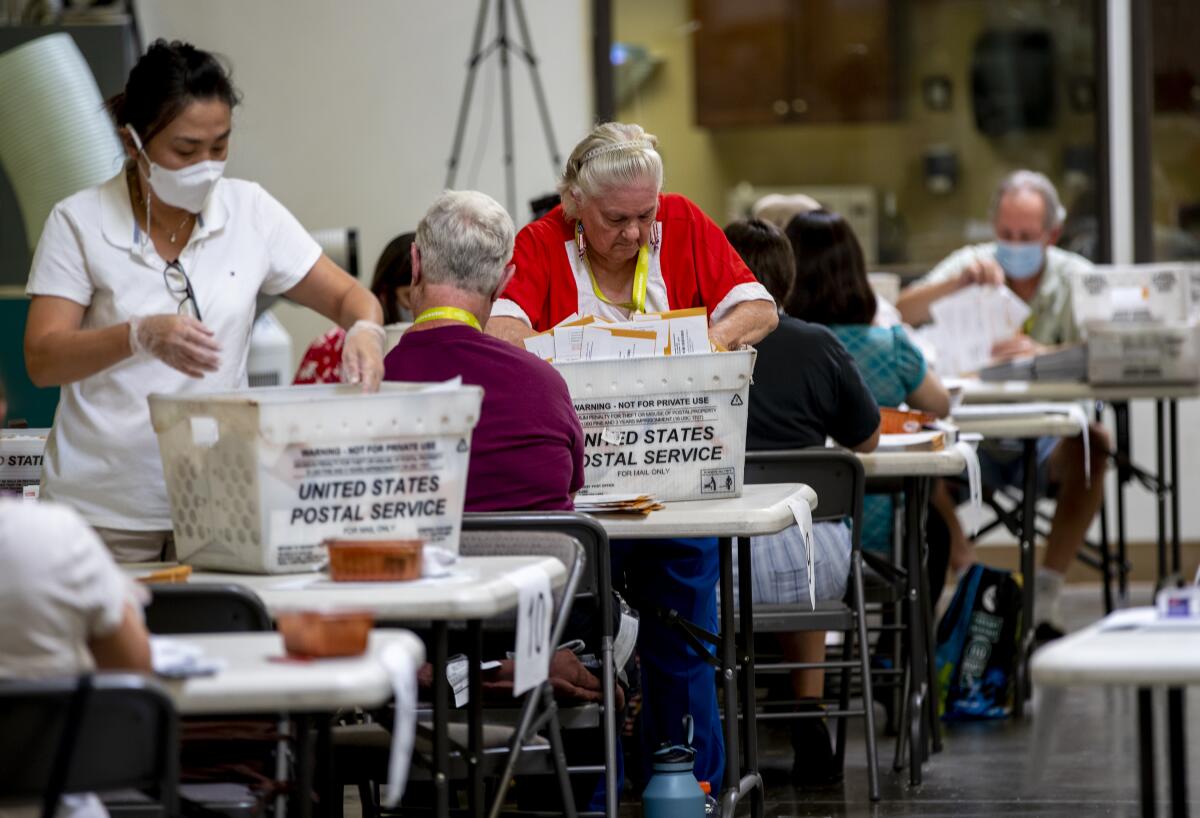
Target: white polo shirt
{"x":102,"y":454}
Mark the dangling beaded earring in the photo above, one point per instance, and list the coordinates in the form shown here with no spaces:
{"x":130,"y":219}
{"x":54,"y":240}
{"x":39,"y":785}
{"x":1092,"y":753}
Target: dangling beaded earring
{"x":655,"y":236}
{"x":580,"y":241}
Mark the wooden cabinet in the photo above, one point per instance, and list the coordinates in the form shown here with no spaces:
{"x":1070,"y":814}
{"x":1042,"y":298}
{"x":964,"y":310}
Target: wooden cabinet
{"x":1175,"y":58}
{"x":764,"y":62}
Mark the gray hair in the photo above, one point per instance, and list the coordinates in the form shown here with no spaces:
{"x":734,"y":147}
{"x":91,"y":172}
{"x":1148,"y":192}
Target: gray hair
{"x":1039,"y":183}
{"x":466,"y":240}
{"x":613,"y":154}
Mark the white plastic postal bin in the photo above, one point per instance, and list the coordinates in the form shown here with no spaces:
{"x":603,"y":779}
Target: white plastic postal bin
{"x":672,"y":426}
{"x":257,"y":479}
{"x":1124,"y":353}
{"x":21,"y":452}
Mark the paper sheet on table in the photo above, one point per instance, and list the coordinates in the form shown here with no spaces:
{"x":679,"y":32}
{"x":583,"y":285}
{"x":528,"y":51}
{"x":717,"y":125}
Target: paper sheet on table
{"x":403,"y":673}
{"x":178,"y":659}
{"x":927,"y":441}
{"x":802,"y":513}
{"x":535,"y":609}
{"x":988,"y":411}
{"x":967,"y":324}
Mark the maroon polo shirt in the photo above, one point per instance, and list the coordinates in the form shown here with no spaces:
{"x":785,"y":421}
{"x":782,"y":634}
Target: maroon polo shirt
{"x":527,"y":449}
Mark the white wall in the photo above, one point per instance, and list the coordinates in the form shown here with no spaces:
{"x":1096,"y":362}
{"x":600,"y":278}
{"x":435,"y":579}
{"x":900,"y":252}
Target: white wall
{"x":349,"y":107}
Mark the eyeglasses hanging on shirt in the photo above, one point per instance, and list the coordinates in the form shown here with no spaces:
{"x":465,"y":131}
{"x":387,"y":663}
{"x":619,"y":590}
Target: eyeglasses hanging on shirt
{"x":180,"y":287}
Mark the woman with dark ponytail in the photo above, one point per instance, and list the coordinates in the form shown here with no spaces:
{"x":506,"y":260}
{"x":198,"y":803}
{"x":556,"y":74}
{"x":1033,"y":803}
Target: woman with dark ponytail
{"x":148,"y":283}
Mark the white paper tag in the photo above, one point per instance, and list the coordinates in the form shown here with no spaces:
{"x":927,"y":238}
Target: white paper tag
{"x":404,"y":729}
{"x":625,"y":641}
{"x":456,"y":676}
{"x":974,"y":515}
{"x":803,"y":514}
{"x":535,"y":607}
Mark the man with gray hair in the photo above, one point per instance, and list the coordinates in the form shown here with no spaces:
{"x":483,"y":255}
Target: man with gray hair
{"x":527,"y":449}
{"x":1027,"y":217}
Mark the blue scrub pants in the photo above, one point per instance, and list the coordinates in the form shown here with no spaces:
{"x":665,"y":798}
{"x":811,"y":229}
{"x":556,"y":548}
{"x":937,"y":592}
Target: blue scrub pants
{"x":681,"y":575}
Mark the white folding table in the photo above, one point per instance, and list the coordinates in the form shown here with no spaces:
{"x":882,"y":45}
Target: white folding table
{"x":257,"y":677}
{"x":761,"y":510}
{"x":1166,"y":477}
{"x":478,"y":588}
{"x":1130,"y":648}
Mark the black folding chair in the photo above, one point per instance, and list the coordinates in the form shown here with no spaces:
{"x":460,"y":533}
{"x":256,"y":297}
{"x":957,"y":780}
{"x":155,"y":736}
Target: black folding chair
{"x":837,"y":478}
{"x":205,"y":608}
{"x":89,"y":734}
{"x":196,"y":608}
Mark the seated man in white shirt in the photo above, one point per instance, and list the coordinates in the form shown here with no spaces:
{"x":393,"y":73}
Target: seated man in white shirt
{"x":66,"y":607}
{"x":1028,"y":217}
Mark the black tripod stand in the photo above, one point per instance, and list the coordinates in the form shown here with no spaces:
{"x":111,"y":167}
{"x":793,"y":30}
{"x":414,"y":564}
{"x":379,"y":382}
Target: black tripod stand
{"x":504,"y":45}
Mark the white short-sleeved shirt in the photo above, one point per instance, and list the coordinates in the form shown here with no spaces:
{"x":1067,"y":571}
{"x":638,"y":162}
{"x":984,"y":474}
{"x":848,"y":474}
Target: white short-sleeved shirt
{"x":59,"y":589}
{"x":102,"y":455}
{"x":1053,"y":319}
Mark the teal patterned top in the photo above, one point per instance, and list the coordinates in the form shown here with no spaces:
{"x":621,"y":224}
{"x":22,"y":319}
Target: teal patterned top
{"x":893,"y":368}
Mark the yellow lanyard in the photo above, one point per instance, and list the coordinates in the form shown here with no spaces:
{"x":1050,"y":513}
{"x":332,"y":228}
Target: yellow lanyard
{"x":641,"y":278}
{"x":448,"y":314}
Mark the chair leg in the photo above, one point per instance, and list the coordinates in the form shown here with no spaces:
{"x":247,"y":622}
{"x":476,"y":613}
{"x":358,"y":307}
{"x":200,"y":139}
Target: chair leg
{"x":902,"y":719}
{"x":843,"y":702}
{"x":554,"y":734}
{"x":868,"y":694}
{"x":366,"y":797}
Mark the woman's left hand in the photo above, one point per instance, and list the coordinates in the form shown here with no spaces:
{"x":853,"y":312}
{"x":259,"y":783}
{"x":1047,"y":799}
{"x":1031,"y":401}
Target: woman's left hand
{"x":362,"y":355}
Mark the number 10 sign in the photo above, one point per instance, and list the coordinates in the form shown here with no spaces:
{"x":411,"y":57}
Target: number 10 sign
{"x":534,"y":610}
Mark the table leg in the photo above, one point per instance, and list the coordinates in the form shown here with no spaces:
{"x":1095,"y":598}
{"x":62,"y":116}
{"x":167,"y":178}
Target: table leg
{"x":1177,"y":738}
{"x":730,"y":790}
{"x":475,"y":717}
{"x":1160,"y":452}
{"x":935,"y":727}
{"x":1146,"y":750}
{"x":918,"y":663}
{"x":1106,"y":567}
{"x":1124,"y":447}
{"x":1176,"y":554}
{"x":749,"y":706}
{"x":1028,"y":569}
{"x":304,"y":765}
{"x":441,"y":714}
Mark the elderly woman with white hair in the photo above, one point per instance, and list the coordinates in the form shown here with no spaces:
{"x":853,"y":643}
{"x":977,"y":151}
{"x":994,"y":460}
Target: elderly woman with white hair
{"x":619,"y":245}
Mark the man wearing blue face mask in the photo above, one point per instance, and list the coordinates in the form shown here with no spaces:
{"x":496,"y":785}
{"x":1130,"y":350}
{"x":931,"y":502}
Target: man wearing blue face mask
{"x":1027,"y":217}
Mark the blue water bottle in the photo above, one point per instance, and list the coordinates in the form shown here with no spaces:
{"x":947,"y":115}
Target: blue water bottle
{"x":673,"y":791}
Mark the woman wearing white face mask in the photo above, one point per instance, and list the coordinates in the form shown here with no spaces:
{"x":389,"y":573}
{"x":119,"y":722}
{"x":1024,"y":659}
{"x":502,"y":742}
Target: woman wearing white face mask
{"x":148,"y":282}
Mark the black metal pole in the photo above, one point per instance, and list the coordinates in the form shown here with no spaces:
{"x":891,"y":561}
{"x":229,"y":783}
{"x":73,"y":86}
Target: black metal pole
{"x":1176,"y":555}
{"x":460,"y":126}
{"x":602,"y":70}
{"x":510,"y":171}
{"x":539,"y":93}
{"x":1160,"y":468}
{"x":1146,"y":751}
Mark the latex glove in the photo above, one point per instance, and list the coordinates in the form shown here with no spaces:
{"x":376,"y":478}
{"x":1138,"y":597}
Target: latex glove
{"x":179,"y":341}
{"x":362,"y":355}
